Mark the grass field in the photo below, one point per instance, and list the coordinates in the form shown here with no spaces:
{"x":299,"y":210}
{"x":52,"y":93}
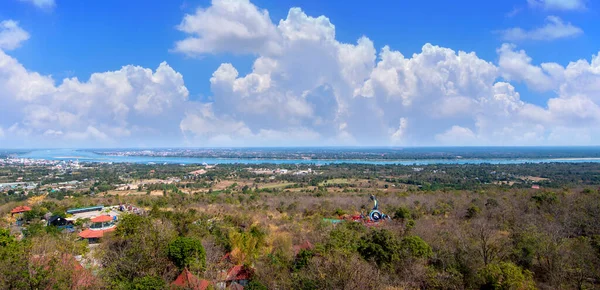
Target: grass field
{"x":276,"y":185}
{"x":337,"y":181}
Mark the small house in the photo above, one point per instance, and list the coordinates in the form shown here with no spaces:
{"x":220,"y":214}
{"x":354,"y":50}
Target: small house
{"x":19,"y":210}
{"x":238,"y":274}
{"x":187,"y":280}
{"x":60,"y":222}
{"x":100,"y":225}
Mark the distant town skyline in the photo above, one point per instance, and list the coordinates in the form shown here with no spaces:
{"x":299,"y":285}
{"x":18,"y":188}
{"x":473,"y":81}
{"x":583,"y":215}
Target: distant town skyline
{"x":236,"y":73}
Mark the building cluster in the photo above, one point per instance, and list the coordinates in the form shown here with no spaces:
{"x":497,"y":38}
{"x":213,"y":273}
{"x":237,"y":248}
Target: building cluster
{"x":135,"y":185}
{"x":279,"y":171}
{"x":18,"y":186}
{"x":53,"y":164}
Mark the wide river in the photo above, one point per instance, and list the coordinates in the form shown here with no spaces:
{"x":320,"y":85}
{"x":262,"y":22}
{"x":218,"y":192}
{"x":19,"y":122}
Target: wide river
{"x":87,"y":156}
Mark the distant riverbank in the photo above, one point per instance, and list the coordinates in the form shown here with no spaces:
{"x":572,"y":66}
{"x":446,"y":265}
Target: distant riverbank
{"x":88,"y":156}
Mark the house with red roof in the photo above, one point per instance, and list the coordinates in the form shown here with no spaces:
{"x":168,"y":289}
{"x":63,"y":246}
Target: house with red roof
{"x":19,"y":210}
{"x":100,"y":225}
{"x":187,"y":280}
{"x":238,"y":275}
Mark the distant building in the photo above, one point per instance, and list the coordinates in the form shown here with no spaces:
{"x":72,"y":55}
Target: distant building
{"x":535,"y":186}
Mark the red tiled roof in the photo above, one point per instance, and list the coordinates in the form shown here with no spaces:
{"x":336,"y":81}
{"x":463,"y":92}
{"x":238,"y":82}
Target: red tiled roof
{"x":94,"y":234}
{"x":102,"y":219}
{"x":187,"y":280}
{"x":20,"y":209}
{"x":238,"y":272}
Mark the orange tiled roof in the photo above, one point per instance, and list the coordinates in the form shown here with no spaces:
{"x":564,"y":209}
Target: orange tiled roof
{"x":20,"y":209}
{"x":102,"y":219}
{"x":94,"y":234}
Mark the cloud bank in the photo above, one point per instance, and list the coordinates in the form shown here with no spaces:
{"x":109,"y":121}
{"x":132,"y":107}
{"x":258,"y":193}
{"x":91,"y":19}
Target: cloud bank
{"x":305,"y":88}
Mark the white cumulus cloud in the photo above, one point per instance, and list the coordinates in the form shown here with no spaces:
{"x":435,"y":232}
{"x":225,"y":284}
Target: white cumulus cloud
{"x":236,"y":26}
{"x":554,"y":28}
{"x":305,"y":87}
{"x":11,"y":35}
{"x":343,"y":92}
{"x":134,"y":103}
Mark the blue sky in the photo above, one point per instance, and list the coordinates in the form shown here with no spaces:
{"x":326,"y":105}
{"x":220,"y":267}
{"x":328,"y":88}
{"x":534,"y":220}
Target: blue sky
{"x":75,"y":39}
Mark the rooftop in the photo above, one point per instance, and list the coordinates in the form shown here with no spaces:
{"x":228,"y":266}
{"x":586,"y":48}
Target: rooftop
{"x":95,"y":234}
{"x":238,"y":272}
{"x":187,"y":280}
{"x":102,"y":219}
{"x":20,"y":209}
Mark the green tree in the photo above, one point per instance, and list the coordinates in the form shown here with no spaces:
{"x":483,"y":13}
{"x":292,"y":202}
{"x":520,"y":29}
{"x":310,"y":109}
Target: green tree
{"x":188,"y":252}
{"x":402,"y":213}
{"x":345,"y":237}
{"x":504,"y":276}
{"x":382,"y":247}
{"x":414,"y":246}
{"x":138,"y":248}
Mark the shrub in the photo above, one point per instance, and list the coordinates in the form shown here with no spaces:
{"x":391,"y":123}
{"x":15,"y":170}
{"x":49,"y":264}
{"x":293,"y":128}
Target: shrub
{"x":148,"y":283}
{"x":302,"y":259}
{"x":382,"y":247}
{"x":416,"y":247}
{"x":255,"y":285}
{"x":545,"y":198}
{"x":505,"y":275}
{"x":472,"y":211}
{"x":402,"y":213}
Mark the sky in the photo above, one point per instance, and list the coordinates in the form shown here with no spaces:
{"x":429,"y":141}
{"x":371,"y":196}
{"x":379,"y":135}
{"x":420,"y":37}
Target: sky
{"x":237,"y":73}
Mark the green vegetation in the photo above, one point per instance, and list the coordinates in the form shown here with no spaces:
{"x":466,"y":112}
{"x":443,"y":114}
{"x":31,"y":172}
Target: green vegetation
{"x":452,"y":227}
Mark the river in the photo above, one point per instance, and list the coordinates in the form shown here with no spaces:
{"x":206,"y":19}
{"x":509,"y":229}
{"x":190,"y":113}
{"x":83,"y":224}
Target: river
{"x":87,"y":156}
